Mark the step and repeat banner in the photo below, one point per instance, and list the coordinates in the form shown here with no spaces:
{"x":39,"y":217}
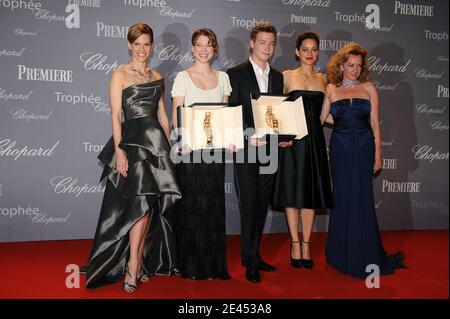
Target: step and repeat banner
{"x":56,"y":58}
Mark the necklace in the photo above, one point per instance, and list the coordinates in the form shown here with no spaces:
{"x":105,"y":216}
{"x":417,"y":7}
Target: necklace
{"x":141,"y":76}
{"x":349,"y":83}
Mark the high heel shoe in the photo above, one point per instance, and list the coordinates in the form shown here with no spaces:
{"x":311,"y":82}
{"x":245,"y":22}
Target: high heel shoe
{"x":307,"y":263}
{"x":143,"y":277}
{"x":129,"y":287}
{"x":296,"y":263}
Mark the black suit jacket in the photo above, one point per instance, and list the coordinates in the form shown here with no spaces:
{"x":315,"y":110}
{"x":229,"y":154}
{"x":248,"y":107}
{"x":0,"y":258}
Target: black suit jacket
{"x":244,"y":84}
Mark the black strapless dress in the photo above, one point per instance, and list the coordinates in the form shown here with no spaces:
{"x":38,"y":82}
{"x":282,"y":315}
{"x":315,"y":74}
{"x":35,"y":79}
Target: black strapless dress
{"x":150,"y":186}
{"x":303,"y":179}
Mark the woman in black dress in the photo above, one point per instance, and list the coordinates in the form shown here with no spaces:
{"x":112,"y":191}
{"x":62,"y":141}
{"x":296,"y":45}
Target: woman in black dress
{"x":134,"y":236}
{"x":303,"y":181}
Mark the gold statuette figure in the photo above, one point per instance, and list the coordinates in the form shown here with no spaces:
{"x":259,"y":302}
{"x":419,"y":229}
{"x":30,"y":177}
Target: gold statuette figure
{"x":207,"y":129}
{"x":271,"y":121}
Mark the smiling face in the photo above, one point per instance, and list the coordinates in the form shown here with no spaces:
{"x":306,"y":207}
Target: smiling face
{"x":351,"y":69}
{"x":308,"y":52}
{"x":203,"y":49}
{"x":141,"y":48}
{"x":263,"y":47}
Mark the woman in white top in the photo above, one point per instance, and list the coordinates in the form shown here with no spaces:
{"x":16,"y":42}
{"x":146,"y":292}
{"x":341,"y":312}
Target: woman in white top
{"x":200,"y":226}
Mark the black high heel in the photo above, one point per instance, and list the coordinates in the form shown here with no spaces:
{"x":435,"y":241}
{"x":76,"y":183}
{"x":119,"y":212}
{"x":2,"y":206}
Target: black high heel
{"x":143,"y":277}
{"x":128,"y":287}
{"x":307,"y":263}
{"x":296,"y":263}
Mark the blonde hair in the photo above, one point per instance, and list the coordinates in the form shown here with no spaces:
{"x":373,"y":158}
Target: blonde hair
{"x":334,"y":73}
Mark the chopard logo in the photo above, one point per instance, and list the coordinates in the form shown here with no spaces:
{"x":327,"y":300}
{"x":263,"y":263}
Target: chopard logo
{"x":33,"y":212}
{"x":22,"y":114}
{"x":376,"y":66}
{"x":307,"y":3}
{"x":7,"y":96}
{"x":69,"y":185}
{"x":94,"y":61}
{"x":172,"y":53}
{"x":425,"y":74}
{"x":8,"y":52}
{"x":7,"y":149}
{"x":439,"y":126}
{"x":162,"y":7}
{"x":385,"y":87}
{"x":425,"y":152}
{"x":426,"y":109}
{"x":22,"y":32}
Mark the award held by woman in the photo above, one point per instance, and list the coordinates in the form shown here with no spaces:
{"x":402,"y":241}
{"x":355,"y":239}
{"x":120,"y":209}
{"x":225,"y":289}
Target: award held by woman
{"x":275,"y":115}
{"x":208,"y":130}
{"x":211,"y":125}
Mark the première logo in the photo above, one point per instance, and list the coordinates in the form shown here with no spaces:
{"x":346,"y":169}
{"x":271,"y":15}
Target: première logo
{"x":40,"y":74}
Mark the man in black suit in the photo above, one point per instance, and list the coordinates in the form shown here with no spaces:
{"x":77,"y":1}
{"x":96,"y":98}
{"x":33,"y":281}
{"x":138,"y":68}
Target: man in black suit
{"x":254,"y":189}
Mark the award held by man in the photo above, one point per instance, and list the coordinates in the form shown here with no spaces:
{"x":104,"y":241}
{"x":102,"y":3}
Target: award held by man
{"x":211,"y":125}
{"x":275,"y":115}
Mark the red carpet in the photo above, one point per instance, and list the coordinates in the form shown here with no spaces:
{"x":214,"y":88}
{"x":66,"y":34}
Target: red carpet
{"x":37,"y":270}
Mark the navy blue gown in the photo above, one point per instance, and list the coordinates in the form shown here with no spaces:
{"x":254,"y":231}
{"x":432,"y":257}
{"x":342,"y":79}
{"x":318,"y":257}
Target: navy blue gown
{"x":353,"y":236}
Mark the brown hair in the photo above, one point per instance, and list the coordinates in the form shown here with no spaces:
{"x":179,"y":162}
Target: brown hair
{"x":207,"y":33}
{"x":307,"y":35}
{"x":263,"y":27}
{"x":137,"y":30}
{"x":340,"y":57}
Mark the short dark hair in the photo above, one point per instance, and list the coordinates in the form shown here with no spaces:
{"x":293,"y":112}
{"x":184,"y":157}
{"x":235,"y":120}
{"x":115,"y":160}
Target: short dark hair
{"x":263,"y":27}
{"x":137,"y":30}
{"x":307,"y":35}
{"x":209,"y":34}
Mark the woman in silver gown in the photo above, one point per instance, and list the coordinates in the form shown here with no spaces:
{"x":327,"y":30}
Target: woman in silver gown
{"x":134,"y":236}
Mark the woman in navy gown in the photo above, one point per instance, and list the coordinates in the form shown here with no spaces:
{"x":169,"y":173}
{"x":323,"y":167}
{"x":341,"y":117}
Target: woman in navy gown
{"x":354,"y":240}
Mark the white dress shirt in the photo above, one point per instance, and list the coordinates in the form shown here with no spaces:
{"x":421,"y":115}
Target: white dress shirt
{"x":262,"y":76}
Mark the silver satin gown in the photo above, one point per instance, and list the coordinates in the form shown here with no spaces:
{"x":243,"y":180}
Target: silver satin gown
{"x":150,"y":186}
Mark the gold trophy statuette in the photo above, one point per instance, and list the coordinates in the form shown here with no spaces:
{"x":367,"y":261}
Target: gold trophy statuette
{"x":207,"y":129}
{"x":271,"y":121}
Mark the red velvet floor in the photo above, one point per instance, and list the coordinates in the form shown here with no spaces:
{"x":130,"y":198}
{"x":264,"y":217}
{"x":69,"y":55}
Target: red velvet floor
{"x":37,"y":270}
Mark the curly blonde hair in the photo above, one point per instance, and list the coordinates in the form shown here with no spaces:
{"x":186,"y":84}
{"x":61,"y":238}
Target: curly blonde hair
{"x":334,"y":73}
